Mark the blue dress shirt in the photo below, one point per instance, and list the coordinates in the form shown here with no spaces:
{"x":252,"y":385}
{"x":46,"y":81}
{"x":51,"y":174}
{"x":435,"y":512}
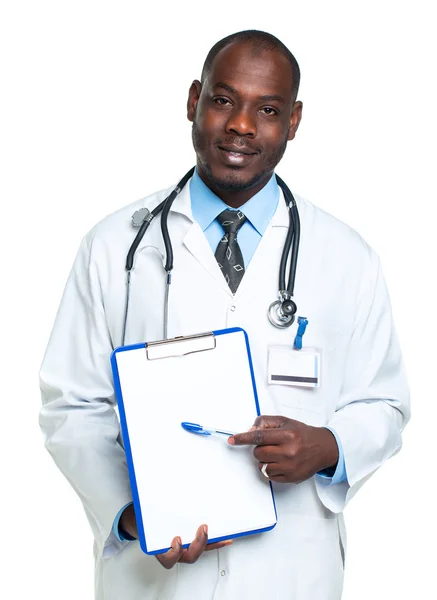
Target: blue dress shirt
{"x":259,"y":210}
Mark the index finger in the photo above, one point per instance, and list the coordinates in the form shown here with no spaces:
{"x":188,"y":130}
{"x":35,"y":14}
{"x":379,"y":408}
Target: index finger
{"x":257,"y":437}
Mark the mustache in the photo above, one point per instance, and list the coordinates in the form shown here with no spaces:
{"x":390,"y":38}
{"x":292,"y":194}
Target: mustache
{"x":237,"y":141}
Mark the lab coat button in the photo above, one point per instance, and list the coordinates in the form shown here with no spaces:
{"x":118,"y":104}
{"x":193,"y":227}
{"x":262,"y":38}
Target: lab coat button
{"x":233,"y":308}
{"x":223,"y":573}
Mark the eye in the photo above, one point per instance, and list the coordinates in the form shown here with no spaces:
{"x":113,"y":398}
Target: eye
{"x":221,"y":101}
{"x":269,"y":110}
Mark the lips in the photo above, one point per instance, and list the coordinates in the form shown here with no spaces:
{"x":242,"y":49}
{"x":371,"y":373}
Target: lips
{"x":235,"y":156}
{"x":238,"y":150}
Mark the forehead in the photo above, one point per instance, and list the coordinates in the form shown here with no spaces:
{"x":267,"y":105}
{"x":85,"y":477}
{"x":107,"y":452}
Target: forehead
{"x":252,"y":71}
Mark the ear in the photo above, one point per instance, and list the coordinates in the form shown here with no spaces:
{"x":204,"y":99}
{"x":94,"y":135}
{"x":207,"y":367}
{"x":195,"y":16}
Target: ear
{"x":193,"y":99}
{"x":295,"y":118}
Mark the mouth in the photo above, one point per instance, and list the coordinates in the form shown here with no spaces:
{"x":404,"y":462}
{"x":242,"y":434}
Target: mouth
{"x":237,"y":150}
{"x":234,"y":155}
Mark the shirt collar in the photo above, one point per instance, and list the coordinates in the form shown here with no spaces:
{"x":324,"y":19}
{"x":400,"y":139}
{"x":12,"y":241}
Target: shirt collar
{"x":259,"y":210}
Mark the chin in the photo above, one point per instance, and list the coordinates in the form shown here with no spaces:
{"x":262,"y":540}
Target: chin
{"x":229,"y":178}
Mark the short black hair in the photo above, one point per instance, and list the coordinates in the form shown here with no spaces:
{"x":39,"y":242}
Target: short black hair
{"x":260,"y":40}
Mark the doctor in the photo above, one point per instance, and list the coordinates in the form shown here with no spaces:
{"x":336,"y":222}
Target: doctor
{"x":317,"y":445}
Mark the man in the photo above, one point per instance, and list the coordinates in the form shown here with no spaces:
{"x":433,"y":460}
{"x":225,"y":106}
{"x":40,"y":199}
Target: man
{"x":318,"y":445}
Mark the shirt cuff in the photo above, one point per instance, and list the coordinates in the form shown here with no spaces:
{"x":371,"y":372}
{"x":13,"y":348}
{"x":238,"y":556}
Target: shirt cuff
{"x":119,"y":533}
{"x":339,"y":474}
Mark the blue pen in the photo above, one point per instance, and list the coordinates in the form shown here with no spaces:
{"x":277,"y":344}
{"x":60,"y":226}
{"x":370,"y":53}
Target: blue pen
{"x":204,"y":430}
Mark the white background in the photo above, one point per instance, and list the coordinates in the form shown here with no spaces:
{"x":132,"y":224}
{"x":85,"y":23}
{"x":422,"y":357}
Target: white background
{"x":92,"y":115}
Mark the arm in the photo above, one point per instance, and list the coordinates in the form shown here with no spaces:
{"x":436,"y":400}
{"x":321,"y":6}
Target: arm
{"x":78,"y":419}
{"x":373,"y":407}
{"x":371,"y":412}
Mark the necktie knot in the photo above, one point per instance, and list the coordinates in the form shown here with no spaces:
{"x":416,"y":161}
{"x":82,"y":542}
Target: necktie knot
{"x":231,"y":220}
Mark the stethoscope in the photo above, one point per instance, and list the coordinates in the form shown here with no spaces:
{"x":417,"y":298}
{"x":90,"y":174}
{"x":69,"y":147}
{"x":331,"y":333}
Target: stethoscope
{"x":281,"y":312}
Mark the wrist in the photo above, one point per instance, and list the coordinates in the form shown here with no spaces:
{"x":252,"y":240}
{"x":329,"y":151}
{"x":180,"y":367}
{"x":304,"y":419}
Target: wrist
{"x":329,"y":450}
{"x":128,"y":523}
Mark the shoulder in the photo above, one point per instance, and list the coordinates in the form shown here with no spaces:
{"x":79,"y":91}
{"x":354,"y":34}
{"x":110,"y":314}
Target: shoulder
{"x":335,"y":235}
{"x":118,"y":224}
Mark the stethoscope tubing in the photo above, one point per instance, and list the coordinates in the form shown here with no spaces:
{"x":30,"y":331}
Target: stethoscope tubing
{"x":164,"y":219}
{"x":292,"y":239}
{"x":291,"y":242}
{"x":141,"y":232}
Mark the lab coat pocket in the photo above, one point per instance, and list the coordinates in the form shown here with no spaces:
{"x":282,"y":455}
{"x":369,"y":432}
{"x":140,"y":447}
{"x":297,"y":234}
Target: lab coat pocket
{"x":315,"y":405}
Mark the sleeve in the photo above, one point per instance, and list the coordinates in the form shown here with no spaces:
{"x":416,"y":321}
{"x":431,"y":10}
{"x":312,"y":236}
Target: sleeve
{"x":120,"y":534}
{"x":79,"y":423}
{"x":373,"y":407}
{"x":339,"y":474}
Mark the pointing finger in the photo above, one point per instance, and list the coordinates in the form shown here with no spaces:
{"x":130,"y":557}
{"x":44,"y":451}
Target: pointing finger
{"x":257,"y":437}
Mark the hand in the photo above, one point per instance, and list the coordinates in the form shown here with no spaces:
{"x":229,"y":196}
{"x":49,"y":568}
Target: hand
{"x":176,"y":553}
{"x":191,"y":554}
{"x":293,"y":450}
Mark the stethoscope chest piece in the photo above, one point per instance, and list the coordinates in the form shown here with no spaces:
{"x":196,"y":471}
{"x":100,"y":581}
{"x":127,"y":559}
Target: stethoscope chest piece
{"x":282,"y":312}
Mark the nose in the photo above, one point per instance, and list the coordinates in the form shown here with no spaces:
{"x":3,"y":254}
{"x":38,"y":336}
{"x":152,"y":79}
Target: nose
{"x":241,"y":122}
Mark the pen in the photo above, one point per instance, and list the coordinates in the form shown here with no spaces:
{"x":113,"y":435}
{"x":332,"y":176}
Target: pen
{"x":205,"y":430}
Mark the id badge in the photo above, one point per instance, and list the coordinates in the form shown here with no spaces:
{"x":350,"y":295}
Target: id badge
{"x":301,"y":368}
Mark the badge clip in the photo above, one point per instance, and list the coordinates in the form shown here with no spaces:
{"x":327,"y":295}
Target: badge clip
{"x":302,"y":322}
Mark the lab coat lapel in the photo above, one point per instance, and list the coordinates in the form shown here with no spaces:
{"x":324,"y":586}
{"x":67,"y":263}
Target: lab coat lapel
{"x":195,"y":240}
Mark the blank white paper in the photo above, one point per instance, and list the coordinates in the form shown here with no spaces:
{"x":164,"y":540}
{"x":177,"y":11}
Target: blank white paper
{"x":183,"y":479}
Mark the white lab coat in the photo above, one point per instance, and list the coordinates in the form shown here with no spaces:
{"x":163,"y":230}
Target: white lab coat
{"x":364,"y":397}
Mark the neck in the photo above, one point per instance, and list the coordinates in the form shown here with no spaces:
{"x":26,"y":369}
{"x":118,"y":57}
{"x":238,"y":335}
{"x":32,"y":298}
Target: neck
{"x":235,"y":198}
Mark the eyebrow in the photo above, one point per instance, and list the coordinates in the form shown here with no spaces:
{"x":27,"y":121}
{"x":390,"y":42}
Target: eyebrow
{"x":264,"y":98}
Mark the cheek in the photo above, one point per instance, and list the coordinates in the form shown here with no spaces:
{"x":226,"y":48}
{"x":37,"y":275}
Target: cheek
{"x":273,"y":136}
{"x":275,"y":143}
{"x":209,"y":121}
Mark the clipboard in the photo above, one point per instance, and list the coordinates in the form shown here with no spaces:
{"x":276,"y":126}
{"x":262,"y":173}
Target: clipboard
{"x":180,"y":480}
